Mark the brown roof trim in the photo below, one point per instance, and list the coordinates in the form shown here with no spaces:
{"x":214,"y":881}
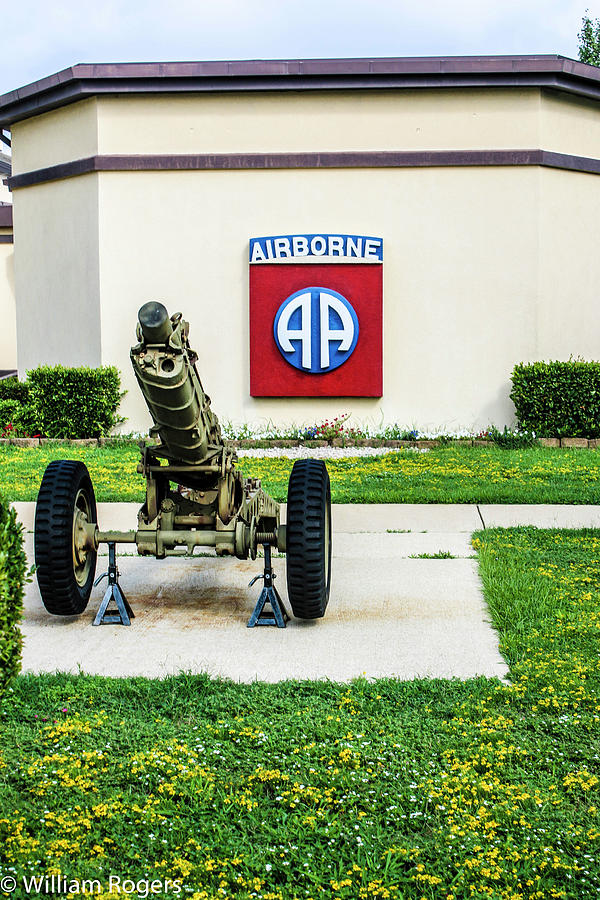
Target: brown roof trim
{"x":375,"y":159}
{"x":6,"y":215}
{"x":86,"y":80}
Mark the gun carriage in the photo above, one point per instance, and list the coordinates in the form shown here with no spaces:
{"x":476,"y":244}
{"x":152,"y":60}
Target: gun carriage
{"x":195,"y":495}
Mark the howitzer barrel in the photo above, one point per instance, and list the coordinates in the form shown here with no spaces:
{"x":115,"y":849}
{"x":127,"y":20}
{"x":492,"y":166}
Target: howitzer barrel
{"x":164,"y":366}
{"x":155,"y":322}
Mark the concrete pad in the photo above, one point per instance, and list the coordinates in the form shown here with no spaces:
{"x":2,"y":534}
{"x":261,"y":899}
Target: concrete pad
{"x":25,"y":514}
{"x":402,"y":546}
{"x":398,"y":617}
{"x":410,"y":517}
{"x":541,"y":515}
{"x":446,"y":518}
{"x":349,"y":517}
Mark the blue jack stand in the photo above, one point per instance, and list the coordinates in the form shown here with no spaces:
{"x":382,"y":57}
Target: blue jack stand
{"x":113,"y":592}
{"x":269,"y":594}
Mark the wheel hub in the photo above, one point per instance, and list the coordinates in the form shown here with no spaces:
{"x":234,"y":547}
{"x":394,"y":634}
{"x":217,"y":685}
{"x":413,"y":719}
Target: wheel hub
{"x":81,"y":557}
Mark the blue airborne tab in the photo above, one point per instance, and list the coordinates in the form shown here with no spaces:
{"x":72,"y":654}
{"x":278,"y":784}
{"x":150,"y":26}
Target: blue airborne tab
{"x":287,"y":247}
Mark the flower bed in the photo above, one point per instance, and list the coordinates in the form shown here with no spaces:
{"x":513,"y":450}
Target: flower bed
{"x":283,"y":443}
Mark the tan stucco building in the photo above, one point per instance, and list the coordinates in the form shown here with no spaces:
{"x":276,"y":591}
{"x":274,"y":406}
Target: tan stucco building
{"x":146,"y":181}
{"x":8,"y":329}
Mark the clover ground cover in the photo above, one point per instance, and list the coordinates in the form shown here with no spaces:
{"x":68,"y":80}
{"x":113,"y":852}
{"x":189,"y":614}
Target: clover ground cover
{"x":384,"y":789}
{"x":443,"y":475}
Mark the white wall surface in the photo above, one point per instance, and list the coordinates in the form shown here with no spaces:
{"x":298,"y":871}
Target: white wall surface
{"x":325,"y":120}
{"x":56,"y":273}
{"x":569,"y":288}
{"x":8,"y":329}
{"x":56,"y":137}
{"x":569,"y":124}
{"x":460,"y":279}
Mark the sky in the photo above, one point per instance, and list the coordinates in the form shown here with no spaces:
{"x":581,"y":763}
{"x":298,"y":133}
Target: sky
{"x":38,"y":37}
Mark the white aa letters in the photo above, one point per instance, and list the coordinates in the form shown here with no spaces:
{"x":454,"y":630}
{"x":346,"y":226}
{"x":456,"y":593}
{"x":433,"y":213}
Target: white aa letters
{"x":345,"y":334}
{"x":285,"y":335}
{"x":316,"y":336}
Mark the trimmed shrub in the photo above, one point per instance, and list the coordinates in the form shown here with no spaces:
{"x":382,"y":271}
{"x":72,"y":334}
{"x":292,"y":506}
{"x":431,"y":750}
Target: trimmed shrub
{"x":16,"y":414}
{"x":74,"y":402}
{"x":13,"y":389}
{"x":558,"y":399}
{"x":9,"y":410}
{"x":12,"y":580}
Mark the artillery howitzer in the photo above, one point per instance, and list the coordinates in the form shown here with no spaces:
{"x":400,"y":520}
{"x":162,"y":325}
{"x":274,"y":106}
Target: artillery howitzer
{"x":195,"y":496}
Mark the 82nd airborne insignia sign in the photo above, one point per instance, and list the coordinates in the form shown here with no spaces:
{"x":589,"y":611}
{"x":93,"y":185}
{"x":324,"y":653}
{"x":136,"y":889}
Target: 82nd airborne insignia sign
{"x":316,"y":316}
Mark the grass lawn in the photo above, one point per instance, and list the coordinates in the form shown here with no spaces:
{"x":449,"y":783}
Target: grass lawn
{"x":429,"y":789}
{"x":444,"y":475}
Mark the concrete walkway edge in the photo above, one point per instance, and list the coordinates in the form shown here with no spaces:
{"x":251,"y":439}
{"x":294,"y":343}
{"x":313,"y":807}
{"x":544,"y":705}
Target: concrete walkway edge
{"x":365,"y":517}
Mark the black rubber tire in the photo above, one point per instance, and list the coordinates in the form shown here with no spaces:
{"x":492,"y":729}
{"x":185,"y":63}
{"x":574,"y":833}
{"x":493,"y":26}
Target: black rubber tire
{"x":65,"y":482}
{"x":308,"y":539}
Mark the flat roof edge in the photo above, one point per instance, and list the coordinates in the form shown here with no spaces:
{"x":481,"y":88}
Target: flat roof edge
{"x":85,"y":80}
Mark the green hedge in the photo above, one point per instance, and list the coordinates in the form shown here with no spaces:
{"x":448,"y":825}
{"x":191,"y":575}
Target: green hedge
{"x":9,"y":410}
{"x":12,"y":581}
{"x":558,"y":399}
{"x":13,"y":389}
{"x":59,"y":402}
{"x":74,"y":402}
{"x":16,"y":419}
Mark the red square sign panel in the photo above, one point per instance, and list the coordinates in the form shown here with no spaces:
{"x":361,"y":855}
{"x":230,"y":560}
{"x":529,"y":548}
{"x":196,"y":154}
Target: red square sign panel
{"x":316,"y":304}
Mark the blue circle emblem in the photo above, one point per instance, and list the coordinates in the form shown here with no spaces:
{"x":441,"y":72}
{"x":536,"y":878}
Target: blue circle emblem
{"x":316,"y":330}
